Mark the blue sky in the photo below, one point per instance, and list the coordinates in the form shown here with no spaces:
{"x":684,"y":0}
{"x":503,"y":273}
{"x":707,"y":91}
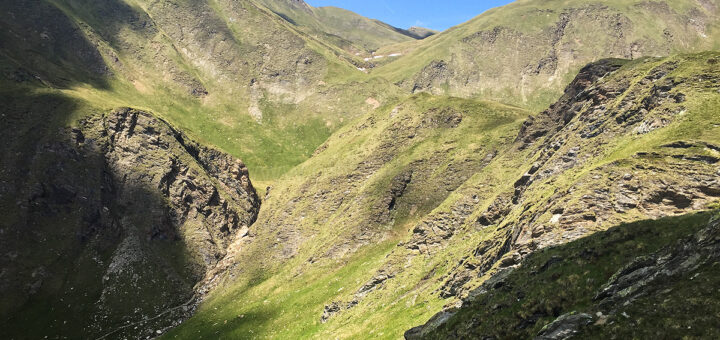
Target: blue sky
{"x":435,"y":14}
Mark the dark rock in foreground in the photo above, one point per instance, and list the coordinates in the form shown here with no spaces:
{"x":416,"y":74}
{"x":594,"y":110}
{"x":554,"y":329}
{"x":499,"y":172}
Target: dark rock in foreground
{"x":116,"y":222}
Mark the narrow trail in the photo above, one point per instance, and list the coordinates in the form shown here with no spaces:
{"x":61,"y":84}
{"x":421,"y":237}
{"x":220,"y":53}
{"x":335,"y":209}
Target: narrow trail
{"x":165,"y":312}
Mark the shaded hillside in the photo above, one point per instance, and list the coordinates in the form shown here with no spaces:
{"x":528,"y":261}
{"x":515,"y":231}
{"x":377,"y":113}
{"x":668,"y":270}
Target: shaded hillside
{"x":110,"y":223}
{"x":390,"y":221}
{"x":647,"y":279}
{"x":525,"y":53}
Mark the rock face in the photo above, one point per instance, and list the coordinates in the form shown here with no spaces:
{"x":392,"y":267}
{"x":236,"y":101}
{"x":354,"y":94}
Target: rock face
{"x":116,"y":222}
{"x":565,"y":327}
{"x":637,"y":277}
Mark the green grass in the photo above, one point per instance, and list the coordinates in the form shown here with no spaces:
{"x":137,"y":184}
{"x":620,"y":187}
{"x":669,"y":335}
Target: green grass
{"x":536,"y":293}
{"x":153,"y":69}
{"x":297,"y":291}
{"x":285,"y":305}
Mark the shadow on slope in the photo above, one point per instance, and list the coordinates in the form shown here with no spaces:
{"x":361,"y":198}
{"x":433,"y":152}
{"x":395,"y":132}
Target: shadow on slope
{"x":102,"y":228}
{"x":568,"y":284}
{"x":39,"y":43}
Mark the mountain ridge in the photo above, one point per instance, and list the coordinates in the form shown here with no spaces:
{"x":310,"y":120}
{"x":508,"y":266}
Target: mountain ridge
{"x":543,"y":51}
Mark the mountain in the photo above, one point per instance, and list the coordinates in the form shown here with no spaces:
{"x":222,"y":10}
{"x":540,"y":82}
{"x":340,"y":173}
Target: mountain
{"x":112,"y":215}
{"x":525,"y":53}
{"x":343,"y":28}
{"x":421,"y":32}
{"x":413,"y":206}
{"x":232,"y":74}
{"x":263,"y":168}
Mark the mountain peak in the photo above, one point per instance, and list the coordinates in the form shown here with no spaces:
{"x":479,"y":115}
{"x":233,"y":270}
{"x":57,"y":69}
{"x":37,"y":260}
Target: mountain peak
{"x":421,"y":32}
{"x":299,"y":4}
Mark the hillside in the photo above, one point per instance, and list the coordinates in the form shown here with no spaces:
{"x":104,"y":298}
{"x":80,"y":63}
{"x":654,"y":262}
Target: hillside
{"x":642,"y":280}
{"x":111,"y":216}
{"x":112,"y":222}
{"x":266,"y":169}
{"x":232,"y":74}
{"x":345,"y":29}
{"x":421,"y":32}
{"x":525,"y":53}
{"x":415,"y":215}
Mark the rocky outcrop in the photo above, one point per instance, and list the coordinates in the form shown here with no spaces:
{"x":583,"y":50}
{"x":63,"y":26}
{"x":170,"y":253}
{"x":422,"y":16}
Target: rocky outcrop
{"x":218,"y":198}
{"x":434,"y":74}
{"x":140,"y":213}
{"x":565,"y":327}
{"x":638,"y":276}
{"x":572,"y":101}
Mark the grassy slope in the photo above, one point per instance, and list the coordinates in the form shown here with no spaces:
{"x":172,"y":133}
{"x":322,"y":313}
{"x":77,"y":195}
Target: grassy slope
{"x":218,"y":119}
{"x":281,"y":298}
{"x":291,"y":128}
{"x":292,"y":295}
{"x":578,"y":270}
{"x":415,"y":292}
{"x":532,"y":24}
{"x":78,"y":59}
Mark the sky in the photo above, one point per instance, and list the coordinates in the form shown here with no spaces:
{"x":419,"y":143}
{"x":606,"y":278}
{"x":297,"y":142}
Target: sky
{"x":436,"y":14}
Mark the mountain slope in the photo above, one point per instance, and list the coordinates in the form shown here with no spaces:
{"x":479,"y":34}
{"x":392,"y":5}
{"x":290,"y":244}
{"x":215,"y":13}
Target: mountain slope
{"x":380,"y":241}
{"x":351,"y":202}
{"x":111,"y":216}
{"x":344,"y":28}
{"x":647,"y":279}
{"x":525,"y":53}
{"x":232,"y":74}
{"x":112,"y":222}
{"x":421,"y":32}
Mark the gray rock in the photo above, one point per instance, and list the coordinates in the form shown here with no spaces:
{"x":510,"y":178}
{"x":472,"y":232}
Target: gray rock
{"x":565,"y":326}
